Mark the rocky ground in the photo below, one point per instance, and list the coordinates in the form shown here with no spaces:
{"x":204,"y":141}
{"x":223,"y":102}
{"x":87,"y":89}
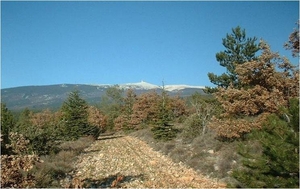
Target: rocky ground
{"x":127,"y":162}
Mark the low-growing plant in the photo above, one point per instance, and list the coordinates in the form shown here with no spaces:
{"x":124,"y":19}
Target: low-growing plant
{"x":277,"y":163}
{"x":16,"y":167}
{"x":57,"y":166}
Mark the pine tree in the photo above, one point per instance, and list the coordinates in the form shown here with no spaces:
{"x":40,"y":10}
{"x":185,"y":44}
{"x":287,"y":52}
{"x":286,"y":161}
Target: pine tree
{"x":125,"y":120}
{"x":23,"y":124}
{"x":75,"y":116}
{"x":267,"y":84}
{"x":7,"y":124}
{"x":277,"y":164}
{"x":239,"y":49}
{"x":111,"y":104}
{"x":162,"y":129}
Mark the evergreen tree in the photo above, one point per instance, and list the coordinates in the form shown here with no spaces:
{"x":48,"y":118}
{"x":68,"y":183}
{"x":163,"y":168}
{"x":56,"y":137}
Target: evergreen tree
{"x":124,"y":121}
{"x":111,"y":104}
{"x":75,"y":116}
{"x":129,"y":101}
{"x":23,"y":124}
{"x":277,"y":164}
{"x":7,"y":124}
{"x":267,"y":84}
{"x":239,"y":49}
{"x":163,"y":130}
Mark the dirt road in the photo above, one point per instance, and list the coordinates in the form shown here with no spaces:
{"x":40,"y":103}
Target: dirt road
{"x":130,"y":163}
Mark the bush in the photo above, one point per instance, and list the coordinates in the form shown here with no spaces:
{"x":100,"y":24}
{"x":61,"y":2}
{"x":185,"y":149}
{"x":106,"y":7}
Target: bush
{"x":57,"y":166}
{"x":277,"y":164}
{"x":164,"y":132}
{"x":16,"y":168}
{"x":77,"y":145}
{"x":193,"y":127}
{"x":54,"y":168}
{"x":7,"y":124}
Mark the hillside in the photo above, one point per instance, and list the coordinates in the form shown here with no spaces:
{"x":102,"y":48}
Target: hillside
{"x":52,"y":96}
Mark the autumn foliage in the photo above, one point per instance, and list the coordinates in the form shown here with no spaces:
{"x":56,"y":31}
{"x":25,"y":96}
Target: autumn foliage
{"x":97,"y":118}
{"x":293,"y":42}
{"x":267,"y":84}
{"x":146,"y":109}
{"x":15,"y":168}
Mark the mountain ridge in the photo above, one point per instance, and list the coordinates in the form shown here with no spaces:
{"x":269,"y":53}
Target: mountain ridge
{"x":52,"y":96}
{"x":146,"y":85}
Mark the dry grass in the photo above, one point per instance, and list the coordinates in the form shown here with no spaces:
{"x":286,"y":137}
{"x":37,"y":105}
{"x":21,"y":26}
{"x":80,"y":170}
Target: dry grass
{"x":56,"y":166}
{"x":203,"y":153}
{"x":168,"y":148}
{"x":77,"y":145}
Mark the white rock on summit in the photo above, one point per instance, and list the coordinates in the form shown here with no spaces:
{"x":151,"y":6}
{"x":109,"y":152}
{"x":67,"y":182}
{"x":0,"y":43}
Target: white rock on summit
{"x":139,"y":85}
{"x":147,"y":86}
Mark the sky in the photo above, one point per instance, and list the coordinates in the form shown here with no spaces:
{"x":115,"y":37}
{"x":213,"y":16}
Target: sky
{"x":44,"y":43}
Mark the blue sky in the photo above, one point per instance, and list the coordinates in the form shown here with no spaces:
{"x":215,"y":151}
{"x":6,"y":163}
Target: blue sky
{"x":123,"y":42}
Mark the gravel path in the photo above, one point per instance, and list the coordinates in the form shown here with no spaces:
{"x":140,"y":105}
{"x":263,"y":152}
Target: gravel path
{"x":128,"y":162}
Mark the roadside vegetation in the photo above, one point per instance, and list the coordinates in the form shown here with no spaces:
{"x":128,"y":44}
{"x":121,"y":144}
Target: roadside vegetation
{"x":245,"y":131}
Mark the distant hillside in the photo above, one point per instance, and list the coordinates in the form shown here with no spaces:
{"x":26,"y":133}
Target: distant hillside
{"x":52,"y":96}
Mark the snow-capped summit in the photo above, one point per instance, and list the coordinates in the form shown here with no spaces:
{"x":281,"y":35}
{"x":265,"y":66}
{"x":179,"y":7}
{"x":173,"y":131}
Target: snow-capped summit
{"x":181,"y":87}
{"x":139,"y":85}
{"x":148,"y":86}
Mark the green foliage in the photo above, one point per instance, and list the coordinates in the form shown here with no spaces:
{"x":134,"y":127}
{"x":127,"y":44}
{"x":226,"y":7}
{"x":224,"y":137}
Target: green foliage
{"x":7,"y":124}
{"x":111,"y":104}
{"x":129,"y":101}
{"x":193,"y":127}
{"x":277,"y":164}
{"x":162,"y":130}
{"x":239,"y":49}
{"x":44,"y":142}
{"x":43,"y":139}
{"x":57,"y":166}
{"x":75,"y":116}
{"x":23,"y":123}
{"x":202,"y":108}
{"x":294,"y":113}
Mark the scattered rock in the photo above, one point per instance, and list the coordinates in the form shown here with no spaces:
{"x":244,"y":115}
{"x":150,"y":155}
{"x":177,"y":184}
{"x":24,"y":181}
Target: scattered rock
{"x":130,"y":163}
{"x":216,"y":167}
{"x":187,"y":179}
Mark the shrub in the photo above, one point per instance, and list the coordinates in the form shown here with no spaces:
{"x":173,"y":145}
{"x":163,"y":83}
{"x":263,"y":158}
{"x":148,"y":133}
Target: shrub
{"x":7,"y":124}
{"x":57,"y":166}
{"x":54,"y":168}
{"x":164,"y":132}
{"x":97,"y":118}
{"x":277,"y":165}
{"x":15,"y":169}
{"x":193,"y":127}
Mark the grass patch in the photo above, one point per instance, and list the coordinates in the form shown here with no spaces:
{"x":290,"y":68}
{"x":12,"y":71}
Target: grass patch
{"x":203,"y":153}
{"x":56,"y":166}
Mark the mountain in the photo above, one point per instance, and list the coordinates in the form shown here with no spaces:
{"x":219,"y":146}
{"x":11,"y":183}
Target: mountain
{"x":52,"y":96}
